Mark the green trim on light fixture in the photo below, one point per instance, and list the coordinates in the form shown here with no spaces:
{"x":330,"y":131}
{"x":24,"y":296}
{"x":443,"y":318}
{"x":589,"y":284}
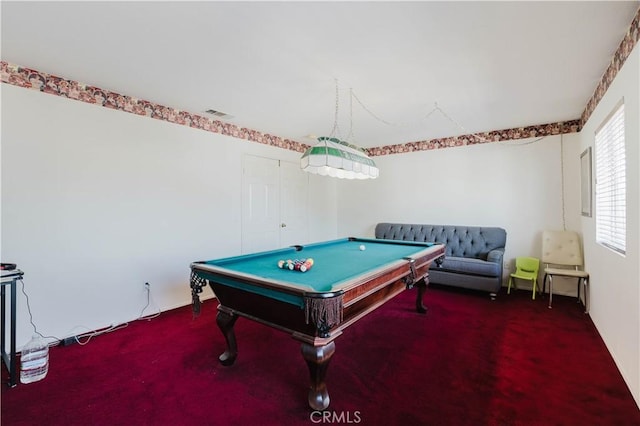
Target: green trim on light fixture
{"x":336,"y":158}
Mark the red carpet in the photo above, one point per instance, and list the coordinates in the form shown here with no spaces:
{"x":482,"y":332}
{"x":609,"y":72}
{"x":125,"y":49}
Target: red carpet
{"x":468,"y":361}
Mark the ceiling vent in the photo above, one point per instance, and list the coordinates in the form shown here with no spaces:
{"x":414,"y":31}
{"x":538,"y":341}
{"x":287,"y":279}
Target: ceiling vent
{"x":219,"y":114}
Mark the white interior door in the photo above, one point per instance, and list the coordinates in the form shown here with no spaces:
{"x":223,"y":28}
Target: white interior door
{"x":260,"y":204}
{"x":294,"y":193}
{"x":274,"y":204}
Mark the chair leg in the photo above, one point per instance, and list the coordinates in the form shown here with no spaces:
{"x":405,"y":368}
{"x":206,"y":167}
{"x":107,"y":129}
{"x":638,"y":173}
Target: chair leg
{"x":582,"y":282}
{"x":585,"y":282}
{"x":509,"y":287}
{"x":534,"y":289}
{"x":550,"y":290}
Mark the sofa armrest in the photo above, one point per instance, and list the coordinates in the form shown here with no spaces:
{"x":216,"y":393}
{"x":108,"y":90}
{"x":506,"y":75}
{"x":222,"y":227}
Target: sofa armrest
{"x":496,"y":256}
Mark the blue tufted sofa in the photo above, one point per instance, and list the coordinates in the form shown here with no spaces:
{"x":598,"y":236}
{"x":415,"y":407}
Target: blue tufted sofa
{"x":473,"y":257}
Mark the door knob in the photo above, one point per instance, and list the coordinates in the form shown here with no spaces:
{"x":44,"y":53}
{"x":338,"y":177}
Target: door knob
{"x":283,"y":225}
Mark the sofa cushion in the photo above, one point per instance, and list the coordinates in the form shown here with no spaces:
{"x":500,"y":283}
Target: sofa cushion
{"x":465,"y":265}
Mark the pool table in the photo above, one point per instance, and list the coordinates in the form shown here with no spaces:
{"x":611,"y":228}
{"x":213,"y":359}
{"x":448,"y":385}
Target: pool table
{"x":349,"y":278}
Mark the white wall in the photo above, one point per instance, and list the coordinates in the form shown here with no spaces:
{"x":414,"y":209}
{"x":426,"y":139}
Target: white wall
{"x":614,"y":279}
{"x":514,"y":185}
{"x":517,"y":185}
{"x":96,"y":202}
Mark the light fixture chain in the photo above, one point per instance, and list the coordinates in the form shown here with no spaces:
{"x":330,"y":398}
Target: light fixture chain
{"x":350,"y":137}
{"x":436,"y":107}
{"x":371,"y":113}
{"x":336,"y":130}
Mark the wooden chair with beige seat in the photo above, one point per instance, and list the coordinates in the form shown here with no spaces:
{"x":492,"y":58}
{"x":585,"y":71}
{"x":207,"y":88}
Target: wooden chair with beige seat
{"x":562,"y":257}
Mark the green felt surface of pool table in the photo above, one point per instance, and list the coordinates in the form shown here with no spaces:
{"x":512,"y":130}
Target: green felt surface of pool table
{"x":334,"y":261}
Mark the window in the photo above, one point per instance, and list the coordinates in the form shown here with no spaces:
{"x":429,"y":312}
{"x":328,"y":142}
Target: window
{"x":611,"y":212}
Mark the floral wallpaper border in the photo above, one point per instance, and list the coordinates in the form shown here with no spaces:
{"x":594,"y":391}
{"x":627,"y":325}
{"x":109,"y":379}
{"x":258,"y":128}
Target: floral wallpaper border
{"x":37,"y":80}
{"x":47,"y":83}
{"x":539,"y":130}
{"x":622,"y":53}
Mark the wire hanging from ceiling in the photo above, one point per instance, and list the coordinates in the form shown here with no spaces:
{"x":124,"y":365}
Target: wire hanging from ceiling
{"x":436,"y":108}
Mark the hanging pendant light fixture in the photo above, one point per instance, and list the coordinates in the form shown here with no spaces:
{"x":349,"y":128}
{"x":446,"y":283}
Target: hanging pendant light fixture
{"x":336,"y":158}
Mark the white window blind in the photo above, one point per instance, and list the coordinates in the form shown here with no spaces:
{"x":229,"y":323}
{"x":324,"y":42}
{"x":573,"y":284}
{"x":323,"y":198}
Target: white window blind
{"x":611,"y":206}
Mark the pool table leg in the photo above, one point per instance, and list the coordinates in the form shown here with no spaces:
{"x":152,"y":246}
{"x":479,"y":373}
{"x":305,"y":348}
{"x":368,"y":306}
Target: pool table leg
{"x":317,"y":358}
{"x":422,"y":289}
{"x":226,"y":321}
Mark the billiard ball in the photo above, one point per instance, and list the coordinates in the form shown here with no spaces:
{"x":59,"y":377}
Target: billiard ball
{"x":362,"y":247}
{"x":306,"y":266}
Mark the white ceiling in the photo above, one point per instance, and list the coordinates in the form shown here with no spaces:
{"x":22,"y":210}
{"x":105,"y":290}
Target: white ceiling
{"x":273,"y":65}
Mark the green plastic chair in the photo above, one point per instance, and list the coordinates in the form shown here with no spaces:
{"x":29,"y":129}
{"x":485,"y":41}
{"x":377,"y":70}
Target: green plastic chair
{"x":526,"y":269}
